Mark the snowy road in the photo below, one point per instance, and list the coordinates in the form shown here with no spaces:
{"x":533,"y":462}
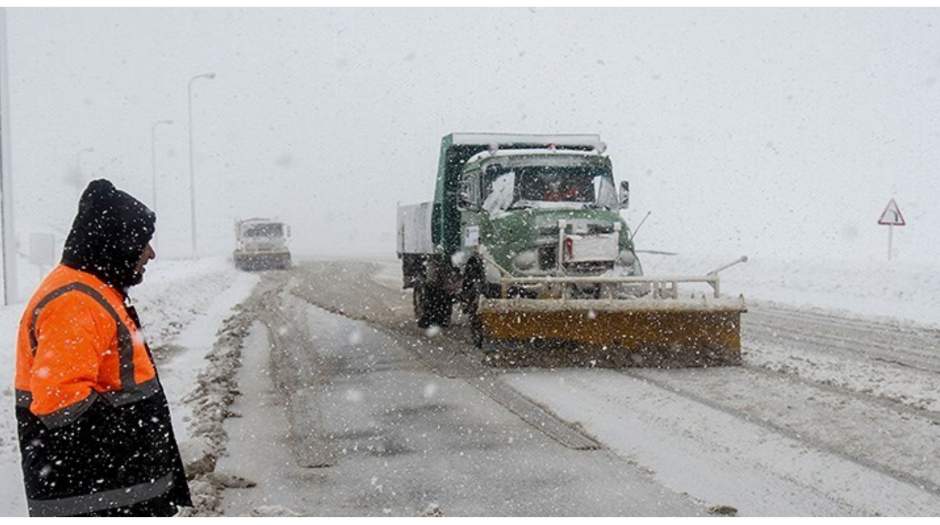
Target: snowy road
{"x":829,"y":415}
{"x":388,"y":423}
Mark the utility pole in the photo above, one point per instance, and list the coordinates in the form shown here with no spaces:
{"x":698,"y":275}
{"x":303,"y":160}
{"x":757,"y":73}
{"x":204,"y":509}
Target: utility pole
{"x":6,"y":179}
{"x":192,"y":169}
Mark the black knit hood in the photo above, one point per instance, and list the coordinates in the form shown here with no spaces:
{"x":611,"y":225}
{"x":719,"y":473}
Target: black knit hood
{"x":109,"y":235}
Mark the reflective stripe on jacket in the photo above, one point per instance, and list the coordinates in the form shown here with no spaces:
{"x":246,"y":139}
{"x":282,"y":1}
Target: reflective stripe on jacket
{"x":77,"y":341}
{"x":94,"y":427}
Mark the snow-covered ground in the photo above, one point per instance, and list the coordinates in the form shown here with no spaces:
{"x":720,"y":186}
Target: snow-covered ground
{"x":898,"y":290}
{"x":181,"y":304}
{"x":829,"y":414}
{"x":725,"y":456}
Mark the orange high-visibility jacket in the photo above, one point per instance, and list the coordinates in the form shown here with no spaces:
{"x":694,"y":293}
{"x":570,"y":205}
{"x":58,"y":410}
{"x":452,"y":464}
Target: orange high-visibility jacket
{"x":76,"y":341}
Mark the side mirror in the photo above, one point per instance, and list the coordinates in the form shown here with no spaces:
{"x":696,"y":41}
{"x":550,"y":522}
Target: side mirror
{"x":624,"y":194}
{"x":288,"y":231}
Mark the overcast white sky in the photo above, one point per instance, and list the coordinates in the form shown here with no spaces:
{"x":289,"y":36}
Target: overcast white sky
{"x":778,"y":133}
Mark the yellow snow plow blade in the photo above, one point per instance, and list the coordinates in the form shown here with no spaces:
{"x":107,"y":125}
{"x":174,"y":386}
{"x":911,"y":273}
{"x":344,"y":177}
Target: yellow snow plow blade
{"x":614,"y":333}
{"x":653,"y":326}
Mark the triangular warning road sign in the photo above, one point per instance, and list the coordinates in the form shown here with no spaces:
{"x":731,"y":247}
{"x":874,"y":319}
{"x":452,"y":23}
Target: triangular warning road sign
{"x":892,"y":215}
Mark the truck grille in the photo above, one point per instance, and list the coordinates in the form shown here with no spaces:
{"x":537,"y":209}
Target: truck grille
{"x":593,"y":267}
{"x":593,"y":228}
{"x":548,"y":257}
{"x":548,"y":260}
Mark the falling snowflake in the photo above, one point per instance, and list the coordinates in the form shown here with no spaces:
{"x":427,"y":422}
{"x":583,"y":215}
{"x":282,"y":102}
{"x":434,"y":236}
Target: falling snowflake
{"x":354,"y":396}
{"x":429,"y":390}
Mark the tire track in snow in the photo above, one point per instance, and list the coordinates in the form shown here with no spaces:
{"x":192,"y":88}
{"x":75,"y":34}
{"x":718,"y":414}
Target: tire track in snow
{"x":859,"y":346}
{"x":771,"y":424}
{"x":725,"y":453}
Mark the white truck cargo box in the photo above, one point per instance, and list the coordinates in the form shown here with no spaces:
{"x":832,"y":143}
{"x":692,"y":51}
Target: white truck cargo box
{"x":414,"y":228}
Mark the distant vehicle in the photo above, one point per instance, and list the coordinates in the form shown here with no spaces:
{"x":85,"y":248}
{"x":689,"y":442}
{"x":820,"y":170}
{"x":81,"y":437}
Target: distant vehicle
{"x":261,"y":244}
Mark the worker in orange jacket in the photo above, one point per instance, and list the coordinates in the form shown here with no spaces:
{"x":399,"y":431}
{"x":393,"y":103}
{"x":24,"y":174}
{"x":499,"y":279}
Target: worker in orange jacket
{"x":94,"y":426}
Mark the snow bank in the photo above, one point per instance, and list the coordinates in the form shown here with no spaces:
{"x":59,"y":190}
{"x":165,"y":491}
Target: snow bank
{"x":215,"y":390}
{"x":875,"y":288}
{"x":12,"y":498}
{"x":181,"y":304}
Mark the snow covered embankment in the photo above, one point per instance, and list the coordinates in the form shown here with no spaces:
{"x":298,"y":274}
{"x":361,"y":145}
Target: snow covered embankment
{"x":888,"y":290}
{"x":216,"y":389}
{"x":181,"y":304}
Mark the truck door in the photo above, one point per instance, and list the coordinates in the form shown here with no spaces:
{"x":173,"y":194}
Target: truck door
{"x":469,"y":206}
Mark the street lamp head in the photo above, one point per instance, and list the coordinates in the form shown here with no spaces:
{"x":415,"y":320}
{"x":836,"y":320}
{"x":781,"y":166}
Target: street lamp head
{"x":194,"y":78}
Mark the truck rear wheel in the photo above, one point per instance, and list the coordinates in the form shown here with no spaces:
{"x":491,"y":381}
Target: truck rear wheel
{"x":444,"y":310}
{"x":420,"y":307}
{"x":432,"y":306}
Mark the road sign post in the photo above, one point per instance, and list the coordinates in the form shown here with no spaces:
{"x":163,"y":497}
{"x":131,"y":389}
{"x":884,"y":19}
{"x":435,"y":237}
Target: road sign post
{"x":891,"y":217}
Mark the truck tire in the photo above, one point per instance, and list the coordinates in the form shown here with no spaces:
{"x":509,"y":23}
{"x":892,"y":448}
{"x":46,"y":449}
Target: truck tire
{"x":432,"y":306}
{"x":418,"y":300}
{"x":443,"y":310}
{"x":476,"y":330}
{"x":481,"y":340}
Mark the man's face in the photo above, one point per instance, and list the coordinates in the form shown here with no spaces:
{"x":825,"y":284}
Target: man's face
{"x":142,"y":262}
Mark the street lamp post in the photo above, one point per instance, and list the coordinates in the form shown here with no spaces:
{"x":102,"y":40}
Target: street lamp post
{"x":192,"y":177}
{"x":153,"y":164}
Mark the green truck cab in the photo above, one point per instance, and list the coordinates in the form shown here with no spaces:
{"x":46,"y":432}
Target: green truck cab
{"x":513,"y":205}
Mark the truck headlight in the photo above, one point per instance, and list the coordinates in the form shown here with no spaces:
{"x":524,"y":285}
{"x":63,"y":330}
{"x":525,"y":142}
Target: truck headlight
{"x":525,"y":260}
{"x":627,"y":258}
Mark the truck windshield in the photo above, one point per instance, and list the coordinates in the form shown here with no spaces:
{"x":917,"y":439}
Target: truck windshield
{"x":541,"y":186}
{"x":262,"y":230}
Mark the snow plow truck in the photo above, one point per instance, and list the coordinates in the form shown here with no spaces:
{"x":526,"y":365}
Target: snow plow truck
{"x":261,"y":244}
{"x":525,"y":233}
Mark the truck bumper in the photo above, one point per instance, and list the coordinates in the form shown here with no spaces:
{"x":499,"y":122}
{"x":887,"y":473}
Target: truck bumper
{"x":262,"y":260}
